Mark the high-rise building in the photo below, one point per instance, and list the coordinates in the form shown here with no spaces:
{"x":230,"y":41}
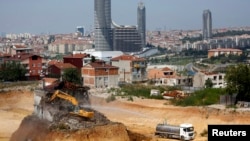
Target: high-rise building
{"x":103,"y":31}
{"x":80,"y":29}
{"x":207,"y":24}
{"x":126,"y":39}
{"x":141,"y":21}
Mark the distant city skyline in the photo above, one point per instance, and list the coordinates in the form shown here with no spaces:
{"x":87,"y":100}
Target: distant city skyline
{"x":63,"y":16}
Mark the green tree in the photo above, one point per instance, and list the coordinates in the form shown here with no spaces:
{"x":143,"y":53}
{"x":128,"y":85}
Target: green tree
{"x":12,"y":71}
{"x":238,"y":79}
{"x":93,"y":59}
{"x":208,"y":83}
{"x":72,"y":75}
{"x":166,"y":58}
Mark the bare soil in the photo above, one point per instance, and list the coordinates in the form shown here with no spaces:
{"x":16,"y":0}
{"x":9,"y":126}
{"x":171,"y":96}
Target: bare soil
{"x":139,"y":116}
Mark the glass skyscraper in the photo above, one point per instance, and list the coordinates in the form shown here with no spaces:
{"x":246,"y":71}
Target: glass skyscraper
{"x":141,"y":21}
{"x":207,"y":24}
{"x":102,"y":22}
{"x":126,"y":39}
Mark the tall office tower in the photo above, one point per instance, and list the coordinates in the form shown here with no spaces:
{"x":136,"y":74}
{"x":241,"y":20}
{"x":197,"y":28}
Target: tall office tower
{"x":141,"y":21}
{"x":207,"y":24}
{"x":126,"y":39}
{"x":103,"y":31}
{"x":80,"y":29}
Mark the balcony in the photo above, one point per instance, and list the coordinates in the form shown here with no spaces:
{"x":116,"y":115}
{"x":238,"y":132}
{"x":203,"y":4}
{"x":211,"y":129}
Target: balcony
{"x":139,"y":66}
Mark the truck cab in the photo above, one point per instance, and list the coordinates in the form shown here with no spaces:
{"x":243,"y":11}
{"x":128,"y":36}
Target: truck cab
{"x":187,"y":131}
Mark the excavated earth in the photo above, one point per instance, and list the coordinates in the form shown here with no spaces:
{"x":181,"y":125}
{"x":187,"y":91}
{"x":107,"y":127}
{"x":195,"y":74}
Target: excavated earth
{"x":35,"y":129}
{"x":125,"y":120}
{"x":68,"y":127}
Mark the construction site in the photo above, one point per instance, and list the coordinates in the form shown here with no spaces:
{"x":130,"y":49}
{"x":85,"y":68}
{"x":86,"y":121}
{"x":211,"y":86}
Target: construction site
{"x":66,"y":108}
{"x":71,"y":113}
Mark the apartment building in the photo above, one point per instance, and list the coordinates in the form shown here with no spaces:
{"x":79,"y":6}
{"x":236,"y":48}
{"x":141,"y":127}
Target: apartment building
{"x":168,"y":77}
{"x":200,"y":78}
{"x":132,"y":69}
{"x":35,"y":65}
{"x":76,"y":59}
{"x":65,"y":46}
{"x":57,"y":68}
{"x":223,"y":51}
{"x":18,"y":49}
{"x":99,"y":75}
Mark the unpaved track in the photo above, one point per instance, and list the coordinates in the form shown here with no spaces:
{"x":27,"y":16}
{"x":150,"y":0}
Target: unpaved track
{"x":139,"y":115}
{"x":142,"y":115}
{"x":14,"y":106}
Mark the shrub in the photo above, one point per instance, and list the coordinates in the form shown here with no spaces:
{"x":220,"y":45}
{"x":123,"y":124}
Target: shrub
{"x":110,"y":98}
{"x":204,"y":133}
{"x":130,"y":98}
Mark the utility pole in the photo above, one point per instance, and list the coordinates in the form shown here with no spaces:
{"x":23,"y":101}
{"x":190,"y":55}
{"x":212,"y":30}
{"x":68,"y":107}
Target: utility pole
{"x":124,"y":75}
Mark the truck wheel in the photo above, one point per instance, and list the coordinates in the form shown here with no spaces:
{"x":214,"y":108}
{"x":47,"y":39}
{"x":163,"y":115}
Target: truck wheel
{"x":182,"y":138}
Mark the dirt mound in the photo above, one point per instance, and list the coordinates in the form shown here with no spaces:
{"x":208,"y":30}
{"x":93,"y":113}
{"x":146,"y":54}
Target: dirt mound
{"x":31,"y":128}
{"x":35,"y":129}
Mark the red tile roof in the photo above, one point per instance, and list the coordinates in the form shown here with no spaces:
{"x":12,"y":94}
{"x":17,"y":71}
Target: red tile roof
{"x":166,"y":69}
{"x":64,"y":65}
{"x":225,"y":50}
{"x":21,"y":57}
{"x":19,"y":46}
{"x":77,"y":55}
{"x":50,"y":80}
{"x":127,"y":57}
{"x":53,"y":62}
{"x":4,"y":54}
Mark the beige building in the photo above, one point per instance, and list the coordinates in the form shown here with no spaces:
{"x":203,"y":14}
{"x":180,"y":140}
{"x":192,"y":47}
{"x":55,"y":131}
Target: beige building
{"x":201,"y":77}
{"x":99,"y":75}
{"x":225,"y":51}
{"x":132,"y":69}
{"x":168,"y":77}
{"x":66,"y":46}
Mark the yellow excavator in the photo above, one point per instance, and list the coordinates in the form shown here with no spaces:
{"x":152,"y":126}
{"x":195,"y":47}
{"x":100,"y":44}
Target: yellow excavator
{"x":77,"y":110}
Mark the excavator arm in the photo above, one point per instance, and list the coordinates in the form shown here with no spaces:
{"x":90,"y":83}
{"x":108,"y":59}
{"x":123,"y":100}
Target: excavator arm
{"x":65,"y":96}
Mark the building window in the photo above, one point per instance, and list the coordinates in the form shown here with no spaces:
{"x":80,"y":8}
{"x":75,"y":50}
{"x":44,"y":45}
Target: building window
{"x":220,"y":77}
{"x":34,"y":57}
{"x":215,"y":77}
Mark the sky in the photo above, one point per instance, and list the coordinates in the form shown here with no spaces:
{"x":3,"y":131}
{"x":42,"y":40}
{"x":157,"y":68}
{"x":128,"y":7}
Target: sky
{"x":63,"y":16}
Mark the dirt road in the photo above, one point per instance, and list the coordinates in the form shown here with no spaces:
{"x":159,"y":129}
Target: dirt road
{"x":14,"y":106}
{"x":142,"y":115}
{"x":139,"y":115}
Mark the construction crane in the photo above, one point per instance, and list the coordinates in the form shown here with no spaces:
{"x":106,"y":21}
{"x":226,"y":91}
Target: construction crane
{"x":77,"y":110}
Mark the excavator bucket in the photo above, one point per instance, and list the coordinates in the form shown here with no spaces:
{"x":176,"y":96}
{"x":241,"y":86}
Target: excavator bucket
{"x":83,"y":113}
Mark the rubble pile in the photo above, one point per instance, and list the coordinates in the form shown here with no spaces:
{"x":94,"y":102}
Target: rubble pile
{"x":60,"y":111}
{"x":53,"y":120}
{"x":61,"y":116}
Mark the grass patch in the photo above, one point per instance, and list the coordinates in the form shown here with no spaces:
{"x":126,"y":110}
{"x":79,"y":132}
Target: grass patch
{"x":17,"y":83}
{"x":203,"y":97}
{"x":110,"y":98}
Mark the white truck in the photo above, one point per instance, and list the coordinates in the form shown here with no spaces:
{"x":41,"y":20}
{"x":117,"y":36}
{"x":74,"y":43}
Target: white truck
{"x":184,"y":131}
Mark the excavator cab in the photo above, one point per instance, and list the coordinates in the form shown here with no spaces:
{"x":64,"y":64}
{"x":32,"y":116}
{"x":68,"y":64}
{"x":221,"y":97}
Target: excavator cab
{"x":77,"y":111}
